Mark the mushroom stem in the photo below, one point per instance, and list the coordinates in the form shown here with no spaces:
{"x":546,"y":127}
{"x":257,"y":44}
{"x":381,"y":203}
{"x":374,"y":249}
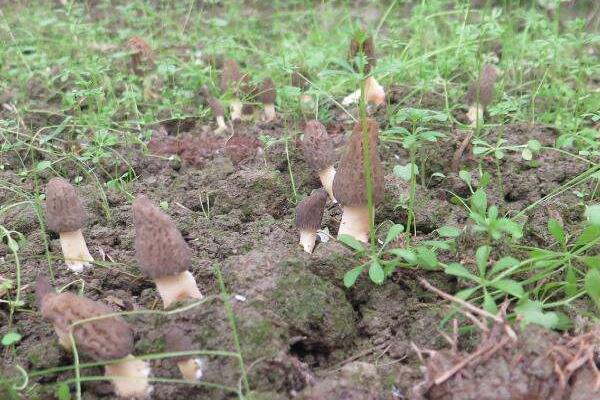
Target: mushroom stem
{"x":130,"y":377}
{"x":269,"y":112}
{"x":355,"y":222}
{"x":374,"y":92}
{"x":191,"y":368}
{"x":75,"y":251}
{"x":173,"y":288}
{"x":475,"y":113}
{"x":221,"y":126}
{"x":326,"y":177}
{"x":236,"y":109}
{"x":308,"y":239}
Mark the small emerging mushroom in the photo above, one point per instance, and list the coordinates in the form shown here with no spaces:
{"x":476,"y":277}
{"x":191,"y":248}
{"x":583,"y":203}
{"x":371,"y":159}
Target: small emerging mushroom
{"x":374,"y":92}
{"x":268,"y":94}
{"x":141,"y":53}
{"x":349,"y":187}
{"x":217,"y":109}
{"x":309,"y":214}
{"x":176,"y":340}
{"x":162,"y":254}
{"x":230,"y":81}
{"x":481,"y":93}
{"x":250,"y":92}
{"x":102,"y":339}
{"x":319,"y":153}
{"x":300,"y":79}
{"x":66,"y":216}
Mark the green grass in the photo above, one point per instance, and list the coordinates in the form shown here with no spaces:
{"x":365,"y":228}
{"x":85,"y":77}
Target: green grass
{"x":71,"y":104}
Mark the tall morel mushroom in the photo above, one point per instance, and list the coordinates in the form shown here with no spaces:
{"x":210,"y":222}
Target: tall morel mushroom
{"x":176,"y":340}
{"x":481,"y":93}
{"x":102,"y":338}
{"x":318,"y":151}
{"x":230,"y":81}
{"x":162,"y":254}
{"x":217,"y":109}
{"x":268,"y":94}
{"x":349,"y":185}
{"x":374,"y":92}
{"x":66,"y":216}
{"x":309,"y":214}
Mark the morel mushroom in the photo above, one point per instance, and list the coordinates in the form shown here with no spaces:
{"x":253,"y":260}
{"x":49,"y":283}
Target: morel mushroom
{"x":309,"y":214}
{"x":319,"y":153}
{"x":141,"y":52}
{"x":162,"y":254}
{"x":66,"y":216}
{"x":300,"y":79}
{"x":374,"y":92}
{"x":349,"y":185}
{"x":102,"y":339}
{"x":217,"y":109}
{"x":176,"y":340}
{"x":250,"y":92}
{"x":268,"y":94}
{"x":481,"y":93}
{"x":230,"y":81}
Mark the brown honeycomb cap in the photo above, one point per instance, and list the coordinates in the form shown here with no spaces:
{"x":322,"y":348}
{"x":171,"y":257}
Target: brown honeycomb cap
{"x":317,"y":146}
{"x":64,"y":209}
{"x":309,"y":211}
{"x":485,"y":85}
{"x":268,"y":94}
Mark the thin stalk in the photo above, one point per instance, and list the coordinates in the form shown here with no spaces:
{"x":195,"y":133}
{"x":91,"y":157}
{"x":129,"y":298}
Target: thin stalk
{"x":289,"y":165}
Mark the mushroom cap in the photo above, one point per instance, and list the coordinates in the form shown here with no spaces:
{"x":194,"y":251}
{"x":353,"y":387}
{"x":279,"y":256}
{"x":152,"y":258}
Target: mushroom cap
{"x":215,"y":105}
{"x":317,"y":146}
{"x":485,"y":84}
{"x":298,"y":79}
{"x":64,"y":209}
{"x":230,"y":75}
{"x":368,"y":48}
{"x":309,"y":212}
{"x":176,"y":339}
{"x":42,"y":288}
{"x":268,"y":93}
{"x":102,"y":339}
{"x":349,"y":187}
{"x":159,"y":247}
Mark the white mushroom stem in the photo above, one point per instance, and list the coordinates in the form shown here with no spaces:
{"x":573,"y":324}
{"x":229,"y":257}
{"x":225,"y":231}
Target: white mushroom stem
{"x":374,"y":92}
{"x":326,"y":177}
{"x":236,"y":109}
{"x":173,"y":288}
{"x":191,"y":369}
{"x":221,"y":126}
{"x":307,"y":239}
{"x":130,"y":377}
{"x":355,"y":222}
{"x":475,"y":113}
{"x":75,"y":251}
{"x":269,"y":112}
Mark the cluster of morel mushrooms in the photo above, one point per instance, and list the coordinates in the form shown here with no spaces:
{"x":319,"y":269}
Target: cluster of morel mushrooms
{"x":163,"y":255}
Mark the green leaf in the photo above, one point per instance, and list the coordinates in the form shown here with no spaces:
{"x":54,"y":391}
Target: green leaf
{"x":532,"y":312}
{"x":393,"y":233}
{"x":481,"y":257}
{"x":408,"y":255}
{"x":510,"y":286}
{"x":557,"y":231}
{"x":534,"y":145}
{"x":449,"y":231}
{"x":42,"y":165}
{"x":592,"y":285}
{"x":351,"y":242}
{"x":426,"y":258}
{"x":571,"y":280}
{"x":351,"y":276}
{"x":465,"y":176}
{"x":489,"y":304}
{"x":478,"y":150}
{"x":503,"y":263}
{"x":592,"y":213}
{"x":376,"y":272}
{"x":499,"y":154}
{"x":526,"y":154}
{"x":63,"y":392}
{"x":465,"y":293}
{"x":479,"y":201}
{"x":591,"y":261}
{"x":590,"y":233}
{"x":457,"y":269}
{"x":11,"y":338}
{"x":404,"y":172}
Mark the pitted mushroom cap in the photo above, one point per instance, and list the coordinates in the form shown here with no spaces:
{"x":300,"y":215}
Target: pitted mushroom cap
{"x":485,"y":84}
{"x":177,"y":340}
{"x":159,"y":247}
{"x":317,"y":146}
{"x":349,"y":187}
{"x":268,"y":94}
{"x":64,"y":210}
{"x":102,"y":339}
{"x":230,"y":75}
{"x":309,"y":211}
